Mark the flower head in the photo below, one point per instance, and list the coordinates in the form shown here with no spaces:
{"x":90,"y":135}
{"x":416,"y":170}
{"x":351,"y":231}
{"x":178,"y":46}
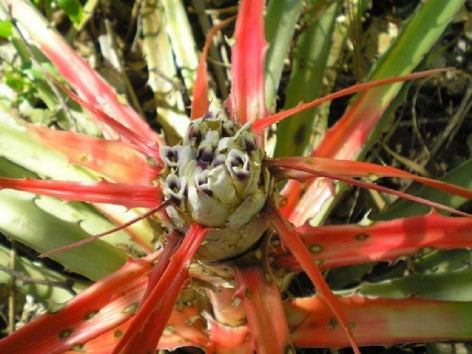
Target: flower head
{"x":216,"y":178}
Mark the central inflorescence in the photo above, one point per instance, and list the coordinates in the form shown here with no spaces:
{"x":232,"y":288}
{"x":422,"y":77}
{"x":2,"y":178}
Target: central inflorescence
{"x":216,"y":179}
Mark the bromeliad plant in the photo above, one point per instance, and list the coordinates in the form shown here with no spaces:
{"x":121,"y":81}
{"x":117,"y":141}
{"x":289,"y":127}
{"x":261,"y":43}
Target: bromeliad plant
{"x":230,"y":234}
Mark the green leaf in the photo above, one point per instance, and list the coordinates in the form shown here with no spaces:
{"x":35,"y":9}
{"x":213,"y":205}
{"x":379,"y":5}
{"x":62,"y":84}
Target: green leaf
{"x":450,"y":286}
{"x":22,"y":219}
{"x":170,"y":105}
{"x":5,"y":29}
{"x":37,"y":280}
{"x":72,"y":8}
{"x":311,"y":56}
{"x":14,"y":81}
{"x":280,"y":21}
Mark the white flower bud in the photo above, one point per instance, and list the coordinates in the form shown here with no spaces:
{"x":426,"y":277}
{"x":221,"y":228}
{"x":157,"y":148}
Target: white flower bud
{"x":206,"y":210}
{"x":222,"y":186}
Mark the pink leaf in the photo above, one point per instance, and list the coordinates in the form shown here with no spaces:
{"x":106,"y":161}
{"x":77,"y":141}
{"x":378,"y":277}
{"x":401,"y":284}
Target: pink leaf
{"x":148,"y":324}
{"x":302,"y":168}
{"x":200,"y":103}
{"x":247,"y":92}
{"x":292,"y":240}
{"x":149,"y":147}
{"x":264,"y":123}
{"x":228,"y":339}
{"x":341,"y":245}
{"x":185,"y":333}
{"x":128,"y":195}
{"x":343,"y":141}
{"x":266,"y":320}
{"x":112,"y":158}
{"x":103,"y":306}
{"x":378,"y":321}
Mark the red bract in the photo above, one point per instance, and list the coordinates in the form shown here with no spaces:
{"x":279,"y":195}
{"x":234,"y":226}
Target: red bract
{"x":137,"y":309}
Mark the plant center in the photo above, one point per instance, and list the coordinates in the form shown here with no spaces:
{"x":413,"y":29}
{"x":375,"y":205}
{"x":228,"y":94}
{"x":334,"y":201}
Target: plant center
{"x":215,"y":178}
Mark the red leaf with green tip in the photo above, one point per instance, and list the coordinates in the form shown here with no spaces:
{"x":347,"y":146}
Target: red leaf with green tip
{"x":128,"y":195}
{"x":343,"y":141}
{"x":348,"y":138}
{"x":112,"y":158}
{"x":247,"y":101}
{"x":88,"y":83}
{"x":340,"y":245}
{"x":378,"y":321}
{"x":261,"y":297}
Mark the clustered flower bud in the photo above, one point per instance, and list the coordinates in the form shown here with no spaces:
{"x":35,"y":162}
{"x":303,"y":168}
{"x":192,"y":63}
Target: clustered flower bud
{"x":215,"y":178}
